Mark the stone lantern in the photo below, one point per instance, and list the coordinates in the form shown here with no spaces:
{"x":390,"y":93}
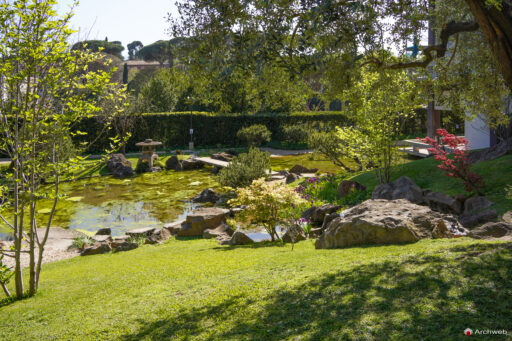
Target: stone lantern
{"x":148,"y":151}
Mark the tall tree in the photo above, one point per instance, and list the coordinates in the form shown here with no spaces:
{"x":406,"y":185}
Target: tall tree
{"x":305,"y":35}
{"x":133,"y":49}
{"x":159,"y":51}
{"x":45,"y":88}
{"x":125,"y":73}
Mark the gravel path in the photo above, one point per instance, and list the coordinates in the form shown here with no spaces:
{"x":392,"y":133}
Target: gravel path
{"x":56,"y":248}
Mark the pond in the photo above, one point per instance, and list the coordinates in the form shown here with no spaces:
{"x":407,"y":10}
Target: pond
{"x":150,"y":199}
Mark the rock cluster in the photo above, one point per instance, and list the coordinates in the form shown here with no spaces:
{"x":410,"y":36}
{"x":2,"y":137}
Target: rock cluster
{"x":316,"y":215}
{"x":298,"y":169}
{"x":471,"y":211}
{"x":174,"y":163}
{"x":119,"y":166}
{"x":208,"y":195}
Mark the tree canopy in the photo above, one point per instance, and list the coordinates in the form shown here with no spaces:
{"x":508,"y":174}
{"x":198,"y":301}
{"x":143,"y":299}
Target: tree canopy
{"x":472,"y":53}
{"x":114,"y":48}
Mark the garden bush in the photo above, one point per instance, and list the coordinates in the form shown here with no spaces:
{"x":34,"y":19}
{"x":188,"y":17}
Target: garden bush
{"x":267,"y":203}
{"x":296,"y":133}
{"x":245,"y":168}
{"x":254,"y":135}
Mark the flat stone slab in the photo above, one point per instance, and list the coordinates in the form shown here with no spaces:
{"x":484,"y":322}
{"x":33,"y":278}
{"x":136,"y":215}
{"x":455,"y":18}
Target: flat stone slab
{"x":101,"y":238}
{"x":142,"y":231}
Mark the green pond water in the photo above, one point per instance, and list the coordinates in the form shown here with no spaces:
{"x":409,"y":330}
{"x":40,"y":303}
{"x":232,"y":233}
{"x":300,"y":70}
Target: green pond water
{"x":150,"y":199}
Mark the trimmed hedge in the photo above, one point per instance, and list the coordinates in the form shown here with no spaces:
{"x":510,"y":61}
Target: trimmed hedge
{"x":211,"y":129}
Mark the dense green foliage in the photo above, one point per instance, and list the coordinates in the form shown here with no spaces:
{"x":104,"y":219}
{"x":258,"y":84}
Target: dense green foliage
{"x":114,"y":48}
{"x":133,"y":49}
{"x":46,"y":88}
{"x":159,"y":94}
{"x":210,"y":129}
{"x":267,"y":204}
{"x":196,"y":290}
{"x":254,"y":135}
{"x":380,"y":103}
{"x":245,"y":168}
{"x":296,"y":133}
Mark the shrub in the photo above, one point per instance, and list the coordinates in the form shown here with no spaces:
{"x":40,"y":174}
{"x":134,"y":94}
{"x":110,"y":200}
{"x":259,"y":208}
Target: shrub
{"x":80,"y":242}
{"x":254,"y":135}
{"x":295,"y":133}
{"x":245,"y":168}
{"x":331,"y":145}
{"x":142,"y":167}
{"x":267,"y":203}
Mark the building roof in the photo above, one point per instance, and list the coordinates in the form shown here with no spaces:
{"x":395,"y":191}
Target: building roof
{"x":143,"y":63}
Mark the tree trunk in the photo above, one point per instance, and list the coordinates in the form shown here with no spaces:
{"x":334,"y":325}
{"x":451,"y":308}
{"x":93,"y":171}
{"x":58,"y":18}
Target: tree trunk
{"x":32,"y":266}
{"x":496,"y":25}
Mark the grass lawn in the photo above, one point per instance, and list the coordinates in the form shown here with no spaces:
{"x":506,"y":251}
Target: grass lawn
{"x":497,"y":175}
{"x":306,"y":160}
{"x":193,"y":289}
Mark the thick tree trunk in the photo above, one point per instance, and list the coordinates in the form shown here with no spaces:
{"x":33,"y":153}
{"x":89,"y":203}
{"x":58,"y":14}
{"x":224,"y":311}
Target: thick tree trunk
{"x":496,"y":25}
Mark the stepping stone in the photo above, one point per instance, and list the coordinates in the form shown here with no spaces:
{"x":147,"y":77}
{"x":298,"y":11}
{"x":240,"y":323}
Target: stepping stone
{"x":141,"y":232}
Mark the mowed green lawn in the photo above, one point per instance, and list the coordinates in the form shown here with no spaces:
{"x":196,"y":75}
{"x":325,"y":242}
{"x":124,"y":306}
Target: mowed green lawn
{"x":194,"y":289}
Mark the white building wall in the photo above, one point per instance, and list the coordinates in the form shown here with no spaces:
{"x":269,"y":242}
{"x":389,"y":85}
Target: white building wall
{"x":477,"y":133}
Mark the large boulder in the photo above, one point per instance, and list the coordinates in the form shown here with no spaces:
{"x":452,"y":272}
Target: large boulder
{"x":96,"y":249}
{"x":441,"y":202}
{"x":316,"y":215}
{"x":293,"y":234}
{"x":119,"y":166}
{"x":238,"y":238}
{"x":202,"y":219}
{"x":492,"y":230}
{"x":491,"y":153}
{"x":208,"y":195}
{"x":401,"y":188}
{"x":507,"y":217}
{"x":477,"y":211}
{"x":328,"y":218}
{"x":173,"y":163}
{"x":192,"y":163}
{"x":220,"y":230}
{"x":174,"y":227}
{"x":159,"y":235}
{"x":125,"y":245}
{"x":348,"y":186}
{"x":388,"y":222}
{"x":298,"y":169}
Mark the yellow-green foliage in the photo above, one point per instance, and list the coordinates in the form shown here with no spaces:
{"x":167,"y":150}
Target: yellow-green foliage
{"x":267,"y":203}
{"x":379,"y":105}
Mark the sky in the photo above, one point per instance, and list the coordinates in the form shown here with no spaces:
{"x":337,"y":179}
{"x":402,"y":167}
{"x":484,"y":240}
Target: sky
{"x":123,"y":20}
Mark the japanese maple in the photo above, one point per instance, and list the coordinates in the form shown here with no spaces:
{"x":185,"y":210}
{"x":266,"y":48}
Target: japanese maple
{"x":457,"y":165}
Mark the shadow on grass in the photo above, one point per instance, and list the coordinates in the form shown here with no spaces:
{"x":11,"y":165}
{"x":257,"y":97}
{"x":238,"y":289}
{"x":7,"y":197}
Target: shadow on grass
{"x":256,"y":245}
{"x":419,"y":297}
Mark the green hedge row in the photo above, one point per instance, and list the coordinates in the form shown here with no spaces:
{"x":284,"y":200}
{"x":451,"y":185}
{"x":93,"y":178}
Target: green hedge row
{"x":211,"y":129}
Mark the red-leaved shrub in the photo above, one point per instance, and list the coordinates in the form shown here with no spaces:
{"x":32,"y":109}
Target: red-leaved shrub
{"x":457,"y":166}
